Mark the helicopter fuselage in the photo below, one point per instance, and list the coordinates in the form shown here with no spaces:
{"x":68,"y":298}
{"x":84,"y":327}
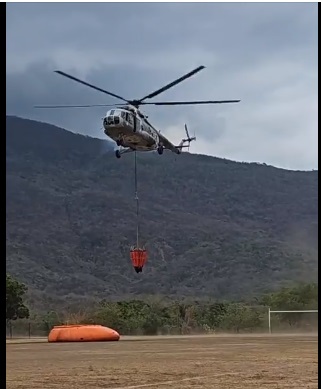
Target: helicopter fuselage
{"x":129,"y":130}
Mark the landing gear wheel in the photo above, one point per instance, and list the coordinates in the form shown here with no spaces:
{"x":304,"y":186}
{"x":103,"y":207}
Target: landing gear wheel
{"x":160,"y":150}
{"x":117,"y":153}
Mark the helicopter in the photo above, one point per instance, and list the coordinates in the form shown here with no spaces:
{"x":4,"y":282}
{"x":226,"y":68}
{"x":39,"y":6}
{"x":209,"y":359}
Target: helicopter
{"x":129,"y":127}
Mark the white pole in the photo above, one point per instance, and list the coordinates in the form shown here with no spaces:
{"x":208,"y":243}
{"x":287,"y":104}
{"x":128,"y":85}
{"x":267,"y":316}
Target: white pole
{"x":269,"y":313}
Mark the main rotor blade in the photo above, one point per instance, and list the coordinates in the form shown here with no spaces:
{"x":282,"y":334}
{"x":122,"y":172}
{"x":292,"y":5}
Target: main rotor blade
{"x":90,"y":85}
{"x":191,"y":102}
{"x":76,"y":106}
{"x":164,"y":88}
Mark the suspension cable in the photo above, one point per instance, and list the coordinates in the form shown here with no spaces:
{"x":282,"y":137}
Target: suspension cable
{"x":137,"y":202}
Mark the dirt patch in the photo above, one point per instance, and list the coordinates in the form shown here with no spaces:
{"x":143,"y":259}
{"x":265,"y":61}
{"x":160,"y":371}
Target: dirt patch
{"x":167,"y":362}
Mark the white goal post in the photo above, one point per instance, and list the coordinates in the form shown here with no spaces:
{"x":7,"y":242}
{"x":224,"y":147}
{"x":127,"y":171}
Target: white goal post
{"x":269,"y":314}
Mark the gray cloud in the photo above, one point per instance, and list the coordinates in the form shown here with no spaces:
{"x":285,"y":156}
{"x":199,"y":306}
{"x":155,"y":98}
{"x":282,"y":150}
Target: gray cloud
{"x":263,"y":53}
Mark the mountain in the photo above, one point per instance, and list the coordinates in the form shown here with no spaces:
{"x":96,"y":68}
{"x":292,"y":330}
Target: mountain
{"x":212,"y":227}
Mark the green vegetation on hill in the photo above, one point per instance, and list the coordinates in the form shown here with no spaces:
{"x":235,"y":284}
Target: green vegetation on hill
{"x":213,"y":227}
{"x":162,"y":316}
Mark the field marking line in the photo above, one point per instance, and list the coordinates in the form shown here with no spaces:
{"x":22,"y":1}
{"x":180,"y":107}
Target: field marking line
{"x":169,"y":382}
{"x":159,"y":383}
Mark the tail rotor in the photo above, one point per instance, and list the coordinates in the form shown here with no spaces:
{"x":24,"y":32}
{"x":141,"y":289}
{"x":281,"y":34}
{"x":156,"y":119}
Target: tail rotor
{"x":188,"y":138}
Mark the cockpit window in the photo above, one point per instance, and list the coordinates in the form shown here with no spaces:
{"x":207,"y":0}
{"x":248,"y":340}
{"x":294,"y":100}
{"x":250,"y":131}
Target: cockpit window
{"x":112,"y":112}
{"x":123,"y":114}
{"x":117,"y":112}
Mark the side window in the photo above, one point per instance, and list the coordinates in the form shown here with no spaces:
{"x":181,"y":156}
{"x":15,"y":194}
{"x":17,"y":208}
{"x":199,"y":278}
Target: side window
{"x":123,"y":114}
{"x":130,"y":119}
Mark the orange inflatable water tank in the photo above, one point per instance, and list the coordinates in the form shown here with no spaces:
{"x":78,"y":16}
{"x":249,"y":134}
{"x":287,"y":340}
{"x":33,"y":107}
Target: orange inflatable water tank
{"x":82,"y":333}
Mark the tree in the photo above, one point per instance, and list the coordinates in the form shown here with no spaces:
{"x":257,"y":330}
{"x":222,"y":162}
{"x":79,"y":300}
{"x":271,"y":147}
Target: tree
{"x":210,"y":314}
{"x":303,"y":296}
{"x":109,"y":314}
{"x":49,"y":320}
{"x":240,"y":317}
{"x":15,"y":307}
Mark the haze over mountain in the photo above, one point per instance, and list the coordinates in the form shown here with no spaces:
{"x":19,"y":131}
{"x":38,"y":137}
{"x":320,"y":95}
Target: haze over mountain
{"x":212,"y":227}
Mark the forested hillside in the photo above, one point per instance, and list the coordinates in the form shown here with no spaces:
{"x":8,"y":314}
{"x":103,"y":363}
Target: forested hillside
{"x":212,"y":227}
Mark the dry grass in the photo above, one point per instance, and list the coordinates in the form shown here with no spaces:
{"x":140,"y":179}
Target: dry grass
{"x":199,"y":362}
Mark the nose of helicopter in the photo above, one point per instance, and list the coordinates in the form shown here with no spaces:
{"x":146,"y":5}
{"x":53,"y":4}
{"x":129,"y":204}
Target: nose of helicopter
{"x":110,"y":121}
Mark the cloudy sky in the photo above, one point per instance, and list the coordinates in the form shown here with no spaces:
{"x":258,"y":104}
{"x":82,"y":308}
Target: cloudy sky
{"x":262,"y":53}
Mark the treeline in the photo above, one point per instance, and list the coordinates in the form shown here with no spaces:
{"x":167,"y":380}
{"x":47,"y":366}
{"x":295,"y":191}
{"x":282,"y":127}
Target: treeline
{"x":159,"y":316}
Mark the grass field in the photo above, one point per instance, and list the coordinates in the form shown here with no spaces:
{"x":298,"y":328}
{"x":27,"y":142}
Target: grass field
{"x":166,"y":362}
